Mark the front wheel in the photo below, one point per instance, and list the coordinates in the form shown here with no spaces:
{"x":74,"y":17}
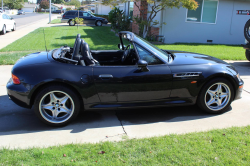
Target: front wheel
{"x":98,"y":23}
{"x":247,"y":54}
{"x":3,"y":30}
{"x":71,"y":23}
{"x":216,"y":96}
{"x":14,"y":27}
{"x":57,"y":105}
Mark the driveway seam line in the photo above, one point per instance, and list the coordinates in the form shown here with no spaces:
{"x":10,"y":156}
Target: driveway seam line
{"x":120,"y":122}
{"x":246,"y":91}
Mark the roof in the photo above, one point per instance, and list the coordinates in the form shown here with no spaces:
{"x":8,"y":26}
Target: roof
{"x":62,"y":5}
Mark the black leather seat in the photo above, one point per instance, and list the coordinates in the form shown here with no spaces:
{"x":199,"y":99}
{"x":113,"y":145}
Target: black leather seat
{"x":76,"y":54}
{"x":87,"y":56}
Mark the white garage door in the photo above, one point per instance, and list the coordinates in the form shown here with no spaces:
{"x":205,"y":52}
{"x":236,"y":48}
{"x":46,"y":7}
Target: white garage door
{"x":28,"y":10}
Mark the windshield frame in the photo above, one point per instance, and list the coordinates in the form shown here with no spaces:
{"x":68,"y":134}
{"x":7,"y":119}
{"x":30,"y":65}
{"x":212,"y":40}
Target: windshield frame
{"x":153,"y":49}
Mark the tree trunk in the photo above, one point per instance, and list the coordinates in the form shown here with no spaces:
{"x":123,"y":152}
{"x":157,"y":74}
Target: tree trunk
{"x":145,"y":31}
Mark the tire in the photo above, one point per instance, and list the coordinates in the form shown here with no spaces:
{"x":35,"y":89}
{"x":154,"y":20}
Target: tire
{"x":71,"y":23}
{"x":213,"y":99}
{"x":57,"y":105}
{"x":247,"y":54}
{"x":98,"y":23}
{"x":247,"y":30}
{"x":14,"y":27}
{"x":3,"y":32}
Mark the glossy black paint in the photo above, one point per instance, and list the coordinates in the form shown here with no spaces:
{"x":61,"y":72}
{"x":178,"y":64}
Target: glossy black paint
{"x":121,"y":86}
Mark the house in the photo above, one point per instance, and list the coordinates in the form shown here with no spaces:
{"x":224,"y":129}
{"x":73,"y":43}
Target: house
{"x":29,"y":7}
{"x":102,"y":9}
{"x":214,"y":21}
{"x":61,"y":7}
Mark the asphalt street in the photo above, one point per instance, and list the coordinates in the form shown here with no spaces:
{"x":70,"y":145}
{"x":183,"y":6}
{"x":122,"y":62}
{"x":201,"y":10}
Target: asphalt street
{"x":20,"y":128}
{"x":29,"y":18}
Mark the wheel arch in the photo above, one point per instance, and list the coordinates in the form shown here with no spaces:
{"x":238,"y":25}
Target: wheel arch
{"x":226,"y":76}
{"x":41,"y":86}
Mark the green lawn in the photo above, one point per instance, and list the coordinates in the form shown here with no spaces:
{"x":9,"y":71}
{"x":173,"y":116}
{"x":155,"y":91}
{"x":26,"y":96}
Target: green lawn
{"x":218,"y":147}
{"x":55,"y":21}
{"x":100,"y":38}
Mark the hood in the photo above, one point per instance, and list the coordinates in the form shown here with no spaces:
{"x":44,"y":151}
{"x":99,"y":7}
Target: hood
{"x":34,"y":58}
{"x":187,"y":58}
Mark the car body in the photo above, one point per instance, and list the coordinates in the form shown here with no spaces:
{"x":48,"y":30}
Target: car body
{"x":139,"y":75}
{"x":57,"y":11}
{"x":21,"y":12}
{"x":88,"y":18}
{"x":6,"y":23}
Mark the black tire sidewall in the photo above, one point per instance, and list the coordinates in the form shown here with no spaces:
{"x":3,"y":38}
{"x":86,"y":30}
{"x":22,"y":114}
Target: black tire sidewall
{"x":62,"y":88}
{"x":201,"y":102}
{"x":246,"y":30}
{"x":247,"y":53}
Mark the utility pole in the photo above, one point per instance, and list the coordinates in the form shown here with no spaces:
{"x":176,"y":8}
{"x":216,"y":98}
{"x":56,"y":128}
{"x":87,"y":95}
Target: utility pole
{"x":2,"y":6}
{"x":49,"y":11}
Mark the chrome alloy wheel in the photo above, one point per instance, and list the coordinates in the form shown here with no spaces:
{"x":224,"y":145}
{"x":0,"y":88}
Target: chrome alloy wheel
{"x":56,"y":107}
{"x":217,"y":96}
{"x":71,"y":23}
{"x":4,"y":29}
{"x":99,"y":23}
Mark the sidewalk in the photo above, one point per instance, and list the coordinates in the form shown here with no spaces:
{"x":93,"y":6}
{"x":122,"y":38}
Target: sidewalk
{"x":10,"y":37}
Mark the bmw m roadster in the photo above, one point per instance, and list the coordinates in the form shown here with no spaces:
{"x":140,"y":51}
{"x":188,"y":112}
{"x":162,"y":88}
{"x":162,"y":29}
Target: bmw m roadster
{"x":60,"y":83}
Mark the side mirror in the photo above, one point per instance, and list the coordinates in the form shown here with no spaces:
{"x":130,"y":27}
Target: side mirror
{"x":120,"y":46}
{"x":143,"y":65}
{"x":11,"y":18}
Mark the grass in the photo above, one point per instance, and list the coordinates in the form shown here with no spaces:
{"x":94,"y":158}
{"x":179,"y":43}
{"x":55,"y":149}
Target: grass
{"x":55,"y":21}
{"x":217,"y":147}
{"x":101,"y":38}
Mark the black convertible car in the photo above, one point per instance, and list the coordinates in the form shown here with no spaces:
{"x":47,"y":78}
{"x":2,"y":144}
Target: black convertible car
{"x":62,"y":82}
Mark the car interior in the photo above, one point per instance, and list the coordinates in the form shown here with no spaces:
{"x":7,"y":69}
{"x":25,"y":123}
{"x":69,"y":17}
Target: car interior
{"x":81,"y":54}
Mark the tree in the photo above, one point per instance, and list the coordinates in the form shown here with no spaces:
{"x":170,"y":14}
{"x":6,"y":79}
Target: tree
{"x":149,"y":9}
{"x":75,"y":3}
{"x":44,"y":5}
{"x":14,"y":4}
{"x":57,"y":1}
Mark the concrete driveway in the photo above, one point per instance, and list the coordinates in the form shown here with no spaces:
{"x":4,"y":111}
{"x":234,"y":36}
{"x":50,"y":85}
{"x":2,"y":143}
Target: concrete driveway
{"x":20,"y":128}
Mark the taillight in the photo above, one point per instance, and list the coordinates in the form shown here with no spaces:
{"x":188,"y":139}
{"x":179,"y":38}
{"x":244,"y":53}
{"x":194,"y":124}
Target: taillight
{"x":15,"y":79}
{"x":63,"y":16}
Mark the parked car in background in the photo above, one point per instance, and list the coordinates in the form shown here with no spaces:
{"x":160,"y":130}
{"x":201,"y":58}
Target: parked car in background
{"x":57,"y":11}
{"x":20,"y":12}
{"x":6,"y":24}
{"x":88,"y":18}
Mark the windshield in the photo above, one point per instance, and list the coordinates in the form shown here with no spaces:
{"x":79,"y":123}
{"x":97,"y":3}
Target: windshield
{"x":153,"y":48}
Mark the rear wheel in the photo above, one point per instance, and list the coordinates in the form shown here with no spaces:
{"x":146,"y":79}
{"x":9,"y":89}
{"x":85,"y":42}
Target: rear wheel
{"x":71,"y":23}
{"x":216,"y":96}
{"x":3,"y":32}
{"x":247,"y":54}
{"x":57,"y":105}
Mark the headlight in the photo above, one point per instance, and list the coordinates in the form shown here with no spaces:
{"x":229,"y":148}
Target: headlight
{"x":238,"y":76}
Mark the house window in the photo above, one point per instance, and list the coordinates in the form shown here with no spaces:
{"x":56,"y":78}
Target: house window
{"x":205,"y":13}
{"x":131,"y":8}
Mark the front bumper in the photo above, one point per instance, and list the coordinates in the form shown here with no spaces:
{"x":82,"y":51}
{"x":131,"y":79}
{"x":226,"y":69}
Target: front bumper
{"x":239,"y":91}
{"x":64,"y":20}
{"x":19,"y":94}
{"x":104,"y":22}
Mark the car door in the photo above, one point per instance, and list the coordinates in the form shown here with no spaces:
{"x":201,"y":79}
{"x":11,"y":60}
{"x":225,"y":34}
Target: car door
{"x":6,"y":21}
{"x":126,"y":85}
{"x":87,"y":18}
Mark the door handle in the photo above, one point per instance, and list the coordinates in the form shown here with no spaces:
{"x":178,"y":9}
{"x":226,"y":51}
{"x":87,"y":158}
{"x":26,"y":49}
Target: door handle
{"x":105,"y":76}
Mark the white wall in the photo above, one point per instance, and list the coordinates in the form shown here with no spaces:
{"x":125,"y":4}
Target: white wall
{"x":227,"y":30}
{"x":104,"y":10}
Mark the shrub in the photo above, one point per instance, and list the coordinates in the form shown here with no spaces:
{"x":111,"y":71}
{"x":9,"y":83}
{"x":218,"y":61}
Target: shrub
{"x":118,"y":20}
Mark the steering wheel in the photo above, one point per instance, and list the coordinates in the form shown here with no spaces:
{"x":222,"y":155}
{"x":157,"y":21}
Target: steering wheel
{"x":125,"y":53}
